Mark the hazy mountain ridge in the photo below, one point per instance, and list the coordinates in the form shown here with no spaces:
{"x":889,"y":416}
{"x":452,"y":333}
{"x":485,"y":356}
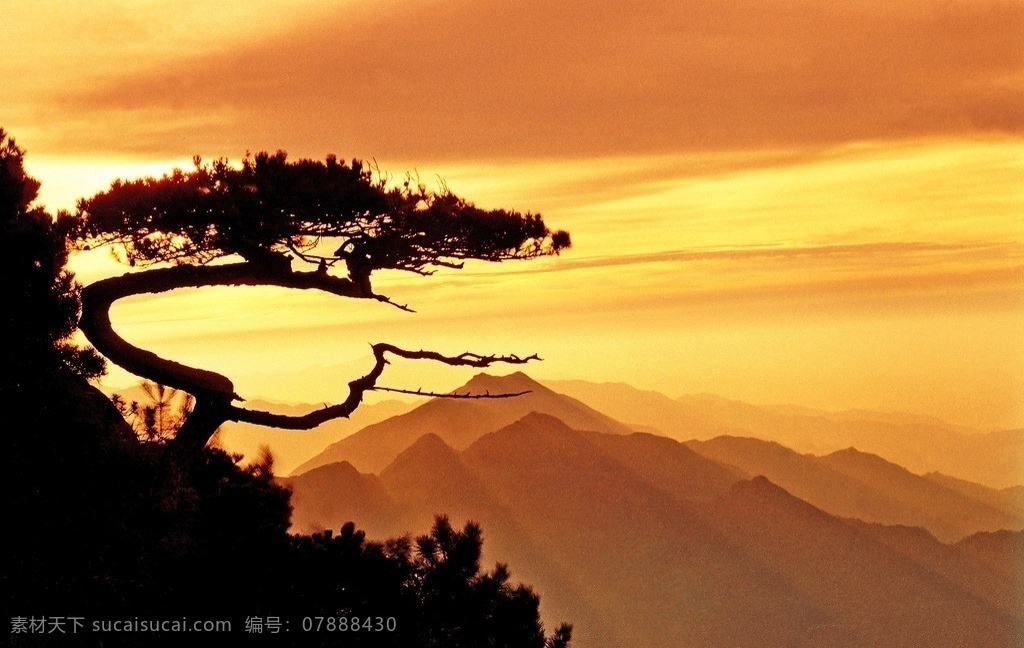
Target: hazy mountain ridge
{"x":1004,"y":550}
{"x":887,"y":597}
{"x":1011,"y":497}
{"x":461,"y":422}
{"x":849,"y":483}
{"x":328,"y":493}
{"x":999,"y":581}
{"x":679,"y":548}
{"x":845,"y":483}
{"x":668,"y":464}
{"x":430,"y":477}
{"x":640,"y":551}
{"x":919,"y":443}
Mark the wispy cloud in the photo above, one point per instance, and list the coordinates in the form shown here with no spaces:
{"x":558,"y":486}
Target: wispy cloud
{"x":870,"y":254}
{"x":737,"y":283}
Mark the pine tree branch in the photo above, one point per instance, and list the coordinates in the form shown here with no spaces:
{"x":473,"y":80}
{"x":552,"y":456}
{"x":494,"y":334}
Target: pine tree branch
{"x":449,"y":395}
{"x":97,"y":299}
{"x":359,"y":386}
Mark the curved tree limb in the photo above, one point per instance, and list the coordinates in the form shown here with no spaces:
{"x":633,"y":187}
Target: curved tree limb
{"x":450,"y":395}
{"x":387,"y":300}
{"x":215,"y":392}
{"x":358,"y":387}
{"x":97,"y":299}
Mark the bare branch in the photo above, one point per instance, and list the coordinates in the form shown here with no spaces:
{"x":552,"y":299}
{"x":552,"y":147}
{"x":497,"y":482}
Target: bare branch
{"x":448,"y":264}
{"x":98,"y":298}
{"x":451,"y":395}
{"x":214,"y":391}
{"x":415,"y":269}
{"x":358,"y":387}
{"x":466,"y":359}
{"x":387,"y":300}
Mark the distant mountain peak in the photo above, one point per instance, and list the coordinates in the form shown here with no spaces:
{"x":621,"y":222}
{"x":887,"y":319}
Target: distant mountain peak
{"x":760,"y":483}
{"x":762,"y":488}
{"x":460,"y":422}
{"x":850,"y":451}
{"x":540,"y":419}
{"x":332,"y":470}
{"x":534,"y":424}
{"x":855,"y":457}
{"x":430,"y":443}
{"x":513,"y":382}
{"x":528,"y":434}
{"x":774,"y":499}
{"x":428,"y":450}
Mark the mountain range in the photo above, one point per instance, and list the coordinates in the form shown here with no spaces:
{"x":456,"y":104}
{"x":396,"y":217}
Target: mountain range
{"x":918,"y":443}
{"x":639,"y":539}
{"x":459,"y":422}
{"x":855,"y":484}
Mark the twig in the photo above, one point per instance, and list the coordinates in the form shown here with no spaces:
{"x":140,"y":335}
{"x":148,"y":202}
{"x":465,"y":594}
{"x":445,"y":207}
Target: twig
{"x":451,"y":395}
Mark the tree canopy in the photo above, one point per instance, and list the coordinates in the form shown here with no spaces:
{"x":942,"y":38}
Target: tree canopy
{"x":224,"y":225}
{"x":273,"y":208}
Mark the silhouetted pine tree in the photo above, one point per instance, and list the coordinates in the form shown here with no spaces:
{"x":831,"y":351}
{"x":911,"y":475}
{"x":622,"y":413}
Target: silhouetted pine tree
{"x":102,"y":524}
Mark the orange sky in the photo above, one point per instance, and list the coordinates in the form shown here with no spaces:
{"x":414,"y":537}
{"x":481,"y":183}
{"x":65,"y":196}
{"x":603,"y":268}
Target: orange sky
{"x":816,"y":203}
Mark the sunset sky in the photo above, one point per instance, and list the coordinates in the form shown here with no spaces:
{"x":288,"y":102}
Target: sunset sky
{"x":812,"y":203}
